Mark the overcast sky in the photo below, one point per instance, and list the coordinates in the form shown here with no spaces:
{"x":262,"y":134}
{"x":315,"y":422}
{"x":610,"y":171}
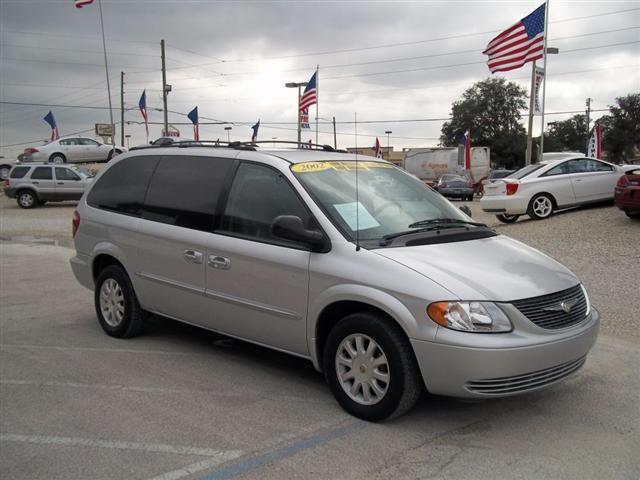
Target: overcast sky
{"x":387,"y":61}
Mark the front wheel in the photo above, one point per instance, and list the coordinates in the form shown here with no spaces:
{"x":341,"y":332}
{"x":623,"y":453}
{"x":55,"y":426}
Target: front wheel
{"x":504,"y":218}
{"x":27,"y":199}
{"x":370,"y":367}
{"x":635,"y":215}
{"x":540,"y":207}
{"x":117,"y":307}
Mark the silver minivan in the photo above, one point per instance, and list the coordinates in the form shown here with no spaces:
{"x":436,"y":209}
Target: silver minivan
{"x":347,"y":261}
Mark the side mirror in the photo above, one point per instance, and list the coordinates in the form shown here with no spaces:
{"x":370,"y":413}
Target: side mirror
{"x":466,"y":210}
{"x":290,"y":227}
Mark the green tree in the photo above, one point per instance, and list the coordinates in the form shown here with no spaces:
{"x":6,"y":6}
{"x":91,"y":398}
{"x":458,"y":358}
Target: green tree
{"x":567,"y":135}
{"x":490,"y":109}
{"x":621,"y":128}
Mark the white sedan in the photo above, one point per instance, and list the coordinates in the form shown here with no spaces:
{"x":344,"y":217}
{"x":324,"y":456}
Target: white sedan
{"x":72,"y":149}
{"x":541,"y":188}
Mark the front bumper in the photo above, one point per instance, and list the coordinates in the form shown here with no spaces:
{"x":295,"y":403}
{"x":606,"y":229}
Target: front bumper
{"x":459,"y":371}
{"x":511,"y":205}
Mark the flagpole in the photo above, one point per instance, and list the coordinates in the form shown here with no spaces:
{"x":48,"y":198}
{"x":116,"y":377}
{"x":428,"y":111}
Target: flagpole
{"x":106,"y":68}
{"x":317,"y":99}
{"x":529,"y":154}
{"x":546,"y":76}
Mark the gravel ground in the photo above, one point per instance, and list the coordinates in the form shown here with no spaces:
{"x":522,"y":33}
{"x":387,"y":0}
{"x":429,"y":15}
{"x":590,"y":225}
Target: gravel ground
{"x":599,"y":244}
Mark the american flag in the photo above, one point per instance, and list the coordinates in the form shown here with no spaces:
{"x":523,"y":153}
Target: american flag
{"x":82,"y":3}
{"x":142,"y":105}
{"x":378,"y":149}
{"x":518,"y":44}
{"x":310,"y":95}
{"x":193,"y":116}
{"x":254,"y":137}
{"x":52,"y":123}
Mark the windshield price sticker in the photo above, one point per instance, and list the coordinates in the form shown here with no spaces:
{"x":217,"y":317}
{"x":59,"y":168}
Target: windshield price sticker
{"x":338,"y":166}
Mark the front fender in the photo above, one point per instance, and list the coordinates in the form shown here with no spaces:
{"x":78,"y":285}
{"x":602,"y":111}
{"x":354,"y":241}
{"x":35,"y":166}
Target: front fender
{"x":379,"y":299}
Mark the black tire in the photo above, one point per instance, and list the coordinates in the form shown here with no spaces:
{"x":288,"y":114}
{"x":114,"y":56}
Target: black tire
{"x":507,"y":218}
{"x":405,"y":382}
{"x":57,"y":158}
{"x":27,"y":199}
{"x":536,"y":211}
{"x":133,"y":316}
{"x":470,"y":198}
{"x":634,"y":215}
{"x":111,"y":155}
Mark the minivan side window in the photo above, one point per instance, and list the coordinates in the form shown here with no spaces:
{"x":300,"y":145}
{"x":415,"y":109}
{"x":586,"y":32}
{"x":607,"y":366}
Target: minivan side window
{"x":42,"y":173}
{"x":123,"y":186}
{"x":19,"y":172}
{"x":258,"y":195}
{"x":185,"y":190}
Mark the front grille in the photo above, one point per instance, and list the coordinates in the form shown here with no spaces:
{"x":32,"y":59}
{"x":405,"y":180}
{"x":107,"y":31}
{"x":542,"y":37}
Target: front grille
{"x":546,"y":311}
{"x":524,"y":382}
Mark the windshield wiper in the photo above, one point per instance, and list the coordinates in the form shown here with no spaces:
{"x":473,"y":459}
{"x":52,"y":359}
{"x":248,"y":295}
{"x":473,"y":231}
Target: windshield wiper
{"x":438,"y":221}
{"x":429,"y":225}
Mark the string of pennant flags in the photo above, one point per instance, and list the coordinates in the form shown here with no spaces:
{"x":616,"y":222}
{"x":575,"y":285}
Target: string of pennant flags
{"x":521,"y":43}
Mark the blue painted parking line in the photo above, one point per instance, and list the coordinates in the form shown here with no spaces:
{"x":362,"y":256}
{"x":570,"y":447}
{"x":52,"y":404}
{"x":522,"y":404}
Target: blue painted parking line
{"x":288,"y":451}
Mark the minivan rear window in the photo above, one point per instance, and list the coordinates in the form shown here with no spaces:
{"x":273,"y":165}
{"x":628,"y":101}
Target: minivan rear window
{"x":19,"y":172}
{"x":185,"y":190}
{"x":122,"y":187}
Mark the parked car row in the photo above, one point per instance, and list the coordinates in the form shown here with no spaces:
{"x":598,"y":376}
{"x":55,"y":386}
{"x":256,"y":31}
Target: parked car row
{"x":540,"y":189}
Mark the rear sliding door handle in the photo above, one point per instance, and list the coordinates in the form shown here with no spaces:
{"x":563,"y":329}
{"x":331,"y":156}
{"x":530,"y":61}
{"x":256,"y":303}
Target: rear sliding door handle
{"x":219,"y":263}
{"x":192,"y":256}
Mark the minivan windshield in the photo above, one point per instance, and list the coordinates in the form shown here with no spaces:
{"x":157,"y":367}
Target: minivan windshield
{"x":388,"y":201}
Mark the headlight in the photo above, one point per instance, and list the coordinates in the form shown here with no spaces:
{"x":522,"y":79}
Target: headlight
{"x":469,"y":316}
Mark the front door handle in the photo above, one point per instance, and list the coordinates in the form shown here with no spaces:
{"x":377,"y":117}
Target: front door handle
{"x":60,"y":183}
{"x":192,"y":256}
{"x":218,"y":262}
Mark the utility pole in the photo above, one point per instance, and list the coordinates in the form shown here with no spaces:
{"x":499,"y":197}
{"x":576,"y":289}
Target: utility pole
{"x":335,"y":138}
{"x":122,"y":108}
{"x":588,"y":112}
{"x":164,"y":89}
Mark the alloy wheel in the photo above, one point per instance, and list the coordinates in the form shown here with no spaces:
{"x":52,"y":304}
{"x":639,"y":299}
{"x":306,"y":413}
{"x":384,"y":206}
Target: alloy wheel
{"x":542,"y":206}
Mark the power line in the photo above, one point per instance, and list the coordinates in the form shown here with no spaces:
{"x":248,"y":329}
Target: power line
{"x":460,"y":64}
{"x":77,"y":63}
{"x":403,"y":44}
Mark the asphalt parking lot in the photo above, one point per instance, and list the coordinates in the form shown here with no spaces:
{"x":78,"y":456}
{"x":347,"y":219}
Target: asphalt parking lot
{"x":182,"y":403}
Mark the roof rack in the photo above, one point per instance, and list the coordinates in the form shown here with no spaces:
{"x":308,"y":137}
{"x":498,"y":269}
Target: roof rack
{"x":238,"y":145}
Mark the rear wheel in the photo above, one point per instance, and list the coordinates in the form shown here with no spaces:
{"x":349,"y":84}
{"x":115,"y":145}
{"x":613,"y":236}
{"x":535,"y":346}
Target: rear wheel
{"x":370,"y":367}
{"x":504,"y":218}
{"x":541,"y":206}
{"x":26,"y":199}
{"x":117,"y":307}
{"x":634,"y":215}
{"x":57,"y":158}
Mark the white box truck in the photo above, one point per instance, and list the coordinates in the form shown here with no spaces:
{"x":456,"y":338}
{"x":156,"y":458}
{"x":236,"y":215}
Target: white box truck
{"x":428,"y":164}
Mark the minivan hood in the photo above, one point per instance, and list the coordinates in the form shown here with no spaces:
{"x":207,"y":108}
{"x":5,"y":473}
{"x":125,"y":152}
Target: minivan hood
{"x":496,"y":268}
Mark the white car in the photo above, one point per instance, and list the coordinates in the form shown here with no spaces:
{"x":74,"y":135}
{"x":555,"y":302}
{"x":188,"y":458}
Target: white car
{"x":72,"y":149}
{"x":558,"y":182}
